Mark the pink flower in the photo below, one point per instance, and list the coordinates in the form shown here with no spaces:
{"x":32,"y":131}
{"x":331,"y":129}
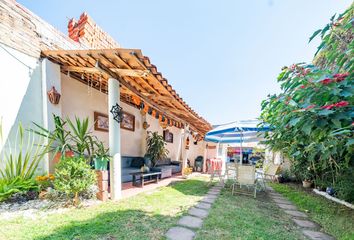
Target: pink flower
{"x":310,"y":107}
{"x":328,"y":107}
{"x":303,"y":86}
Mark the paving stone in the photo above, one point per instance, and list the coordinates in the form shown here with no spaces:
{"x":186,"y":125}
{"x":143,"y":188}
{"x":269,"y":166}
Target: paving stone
{"x":296,"y":213}
{"x":270,"y":189}
{"x":180,"y":233}
{"x":211,"y":196}
{"x":190,"y":221}
{"x":213,"y":193}
{"x":287,"y":206}
{"x":208,"y":200}
{"x":201,"y":213}
{"x":281,"y":201}
{"x":203,"y":205}
{"x":305,"y":223}
{"x":314,"y":235}
{"x":278,"y":198}
{"x":275,"y":194}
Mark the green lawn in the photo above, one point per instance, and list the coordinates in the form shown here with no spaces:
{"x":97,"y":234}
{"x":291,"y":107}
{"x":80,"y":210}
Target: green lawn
{"x":145,"y":216}
{"x":243,"y":217}
{"x":335,"y":219}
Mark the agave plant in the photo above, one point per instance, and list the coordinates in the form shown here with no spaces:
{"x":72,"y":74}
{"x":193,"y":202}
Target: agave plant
{"x":23,"y":157}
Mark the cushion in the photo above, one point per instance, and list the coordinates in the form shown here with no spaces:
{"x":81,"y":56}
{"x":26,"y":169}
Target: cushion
{"x":137,"y":162}
{"x":175,"y":163}
{"x":166,"y":161}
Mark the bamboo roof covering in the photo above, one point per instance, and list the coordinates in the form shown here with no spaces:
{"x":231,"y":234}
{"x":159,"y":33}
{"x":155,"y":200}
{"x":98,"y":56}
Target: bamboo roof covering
{"x":141,"y":83}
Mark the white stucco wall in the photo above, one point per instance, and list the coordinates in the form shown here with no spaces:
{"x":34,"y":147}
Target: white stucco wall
{"x":20,"y":94}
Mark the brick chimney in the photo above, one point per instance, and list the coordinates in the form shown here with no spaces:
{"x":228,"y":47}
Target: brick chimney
{"x":88,"y":33}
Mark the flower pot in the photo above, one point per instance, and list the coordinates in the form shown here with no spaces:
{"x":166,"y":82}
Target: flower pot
{"x":58,"y":155}
{"x":145,"y":169}
{"x":101,"y":164}
{"x":306,"y":184}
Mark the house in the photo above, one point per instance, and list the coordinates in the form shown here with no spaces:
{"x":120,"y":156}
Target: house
{"x":92,"y":73}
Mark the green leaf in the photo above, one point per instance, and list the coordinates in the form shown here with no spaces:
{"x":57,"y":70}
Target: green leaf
{"x":336,"y":122}
{"x":294,"y":121}
{"x":325,"y":112}
{"x":315,"y":34}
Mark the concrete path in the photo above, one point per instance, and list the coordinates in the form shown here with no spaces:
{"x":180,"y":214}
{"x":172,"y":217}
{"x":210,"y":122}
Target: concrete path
{"x":189,"y":223}
{"x":308,"y":228}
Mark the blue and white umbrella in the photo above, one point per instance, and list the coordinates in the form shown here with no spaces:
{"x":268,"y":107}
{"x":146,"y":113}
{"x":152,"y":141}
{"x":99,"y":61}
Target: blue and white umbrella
{"x":245,"y":131}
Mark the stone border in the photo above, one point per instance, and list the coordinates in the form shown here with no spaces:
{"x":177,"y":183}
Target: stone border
{"x":308,"y":228}
{"x":337,"y":200}
{"x":194,"y":220}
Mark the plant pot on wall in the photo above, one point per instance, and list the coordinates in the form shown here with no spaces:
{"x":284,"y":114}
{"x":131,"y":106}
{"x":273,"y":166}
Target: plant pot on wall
{"x":306,"y":183}
{"x":101,"y":163}
{"x":58,"y":156}
{"x":53,"y":96}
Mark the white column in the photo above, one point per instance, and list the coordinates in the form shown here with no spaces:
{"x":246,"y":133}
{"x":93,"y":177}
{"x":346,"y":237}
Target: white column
{"x":114,"y":141}
{"x":185,"y":155}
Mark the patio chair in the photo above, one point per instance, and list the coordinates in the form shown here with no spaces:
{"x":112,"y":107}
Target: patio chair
{"x":246,"y":176}
{"x":269,"y":174}
{"x":215,"y":172}
{"x":231,"y":170}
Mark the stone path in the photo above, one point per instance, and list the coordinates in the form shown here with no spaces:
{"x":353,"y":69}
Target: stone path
{"x":309,"y":229}
{"x":188,"y":224}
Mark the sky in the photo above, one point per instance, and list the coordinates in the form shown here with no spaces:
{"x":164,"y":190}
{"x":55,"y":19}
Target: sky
{"x":222,"y":57}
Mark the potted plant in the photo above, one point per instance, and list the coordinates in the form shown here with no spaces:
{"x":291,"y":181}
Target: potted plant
{"x":306,"y":178}
{"x":155,"y":147}
{"x":101,"y":156}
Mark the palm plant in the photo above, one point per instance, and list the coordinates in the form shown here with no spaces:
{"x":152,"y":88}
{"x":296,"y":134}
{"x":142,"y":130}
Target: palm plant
{"x":156,"y":147}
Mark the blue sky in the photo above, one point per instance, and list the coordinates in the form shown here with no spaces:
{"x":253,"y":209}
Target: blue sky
{"x":222,"y":57}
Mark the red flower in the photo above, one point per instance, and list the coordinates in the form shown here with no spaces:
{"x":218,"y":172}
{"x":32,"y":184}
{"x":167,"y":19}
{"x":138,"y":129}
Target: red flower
{"x":326,"y":81}
{"x":341,"y":104}
{"x":303,"y":86}
{"x":340,"y":76}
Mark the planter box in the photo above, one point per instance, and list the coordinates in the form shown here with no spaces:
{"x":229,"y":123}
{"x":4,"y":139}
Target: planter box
{"x":102,"y":175}
{"x":102,"y":195}
{"x":102,"y":185}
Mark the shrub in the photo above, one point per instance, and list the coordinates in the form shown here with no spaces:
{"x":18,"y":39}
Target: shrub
{"x":16,"y":185}
{"x":73,"y":176}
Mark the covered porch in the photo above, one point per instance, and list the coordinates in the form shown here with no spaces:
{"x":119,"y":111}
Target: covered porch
{"x":111,"y":82}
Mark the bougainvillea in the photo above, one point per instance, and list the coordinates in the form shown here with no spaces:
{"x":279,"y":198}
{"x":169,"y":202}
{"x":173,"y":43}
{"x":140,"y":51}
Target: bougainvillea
{"x":312,"y":118}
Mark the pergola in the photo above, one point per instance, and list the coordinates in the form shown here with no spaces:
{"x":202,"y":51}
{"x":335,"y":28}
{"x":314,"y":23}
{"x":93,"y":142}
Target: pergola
{"x":140,"y":82}
{"x":128,"y":75}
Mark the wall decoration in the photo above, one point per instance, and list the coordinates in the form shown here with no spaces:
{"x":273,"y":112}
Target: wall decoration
{"x":146,"y":125}
{"x":128,"y":121}
{"x":53,"y":96}
{"x":168,"y":136}
{"x":117,"y":112}
{"x":187,"y":143}
{"x":101,"y":122}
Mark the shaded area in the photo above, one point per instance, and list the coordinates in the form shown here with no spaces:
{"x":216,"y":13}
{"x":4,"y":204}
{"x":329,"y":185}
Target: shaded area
{"x":243,"y":217}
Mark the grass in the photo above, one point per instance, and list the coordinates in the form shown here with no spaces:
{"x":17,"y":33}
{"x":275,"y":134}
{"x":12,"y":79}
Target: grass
{"x":334,"y":218}
{"x":145,"y":216}
{"x":243,"y":217}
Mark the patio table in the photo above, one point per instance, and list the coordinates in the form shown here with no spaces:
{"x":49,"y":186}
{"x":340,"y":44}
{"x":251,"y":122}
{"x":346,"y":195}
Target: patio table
{"x":142,"y":178}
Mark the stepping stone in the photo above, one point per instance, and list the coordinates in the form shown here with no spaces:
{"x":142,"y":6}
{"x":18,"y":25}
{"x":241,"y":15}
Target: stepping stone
{"x":317,"y":235}
{"x":213,"y":193}
{"x":278,"y":198}
{"x":282,"y":201}
{"x":208,"y":200}
{"x":203,"y":205}
{"x":180,"y":233}
{"x":211,"y":196}
{"x":270,"y":189}
{"x":190,"y":221}
{"x":305,"y":223}
{"x":275,"y":195}
{"x":286,"y":206}
{"x":296,"y":213}
{"x":201,"y":213}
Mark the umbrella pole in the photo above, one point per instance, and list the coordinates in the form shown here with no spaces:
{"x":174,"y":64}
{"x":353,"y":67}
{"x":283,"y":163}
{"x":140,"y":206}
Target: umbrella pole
{"x":241,"y":154}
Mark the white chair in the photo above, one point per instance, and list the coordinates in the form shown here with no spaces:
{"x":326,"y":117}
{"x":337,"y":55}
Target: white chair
{"x":246,"y":176}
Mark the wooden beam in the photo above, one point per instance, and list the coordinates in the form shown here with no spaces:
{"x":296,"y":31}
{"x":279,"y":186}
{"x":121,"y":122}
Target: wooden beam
{"x":121,"y":72}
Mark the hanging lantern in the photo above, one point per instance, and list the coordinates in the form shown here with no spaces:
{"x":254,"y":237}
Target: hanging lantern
{"x":187,"y":143}
{"x":150,"y":111}
{"x":146,"y":125}
{"x":53,"y":96}
{"x":117,"y":112}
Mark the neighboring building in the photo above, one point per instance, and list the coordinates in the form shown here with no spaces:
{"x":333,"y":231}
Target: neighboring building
{"x":84,"y":68}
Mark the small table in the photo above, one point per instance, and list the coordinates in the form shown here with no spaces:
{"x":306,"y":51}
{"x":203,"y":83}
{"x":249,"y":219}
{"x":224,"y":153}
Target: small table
{"x":152,"y":176}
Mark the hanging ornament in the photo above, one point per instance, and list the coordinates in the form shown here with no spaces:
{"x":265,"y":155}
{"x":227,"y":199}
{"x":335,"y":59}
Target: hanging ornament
{"x":117,"y":112}
{"x":146,"y":125}
{"x":53,"y":96}
{"x":187,"y":143}
{"x":150,"y":111}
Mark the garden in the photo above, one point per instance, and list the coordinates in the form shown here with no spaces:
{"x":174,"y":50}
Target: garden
{"x":312,"y":118}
